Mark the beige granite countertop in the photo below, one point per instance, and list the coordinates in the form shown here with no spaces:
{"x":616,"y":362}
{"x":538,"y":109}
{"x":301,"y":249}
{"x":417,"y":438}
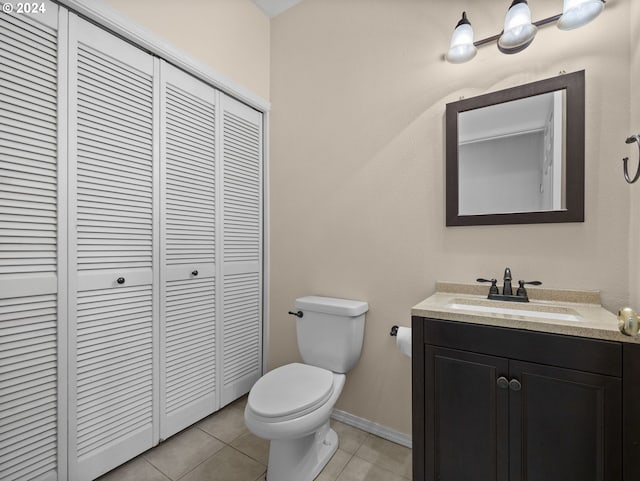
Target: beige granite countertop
{"x":557,"y":308}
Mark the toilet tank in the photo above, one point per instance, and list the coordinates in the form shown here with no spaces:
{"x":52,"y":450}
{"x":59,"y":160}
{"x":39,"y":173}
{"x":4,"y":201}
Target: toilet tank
{"x":330,"y":331}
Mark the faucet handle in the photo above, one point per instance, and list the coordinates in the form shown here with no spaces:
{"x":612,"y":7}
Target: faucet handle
{"x":522,"y":292}
{"x":494,"y":284}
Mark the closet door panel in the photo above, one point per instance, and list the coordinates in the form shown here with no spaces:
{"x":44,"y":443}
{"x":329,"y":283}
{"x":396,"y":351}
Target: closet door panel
{"x":112,"y":233}
{"x":242,"y":249}
{"x":188,"y":252}
{"x":28,"y":378}
{"x":31,"y":280}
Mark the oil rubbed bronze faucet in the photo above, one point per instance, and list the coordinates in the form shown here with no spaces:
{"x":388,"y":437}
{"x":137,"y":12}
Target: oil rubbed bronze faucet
{"x":507,"y":290}
{"x":506,"y":283}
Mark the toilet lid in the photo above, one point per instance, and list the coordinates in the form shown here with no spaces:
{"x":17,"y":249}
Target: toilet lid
{"x":290,"y":389}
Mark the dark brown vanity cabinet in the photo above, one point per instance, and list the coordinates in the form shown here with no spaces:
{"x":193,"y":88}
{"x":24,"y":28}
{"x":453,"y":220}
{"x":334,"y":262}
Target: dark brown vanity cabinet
{"x":500,"y":404}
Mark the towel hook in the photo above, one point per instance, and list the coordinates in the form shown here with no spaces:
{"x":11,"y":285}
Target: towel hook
{"x":631,"y":140}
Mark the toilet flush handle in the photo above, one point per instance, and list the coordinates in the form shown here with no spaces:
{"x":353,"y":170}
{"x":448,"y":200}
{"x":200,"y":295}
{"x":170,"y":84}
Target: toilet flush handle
{"x":297,"y":314}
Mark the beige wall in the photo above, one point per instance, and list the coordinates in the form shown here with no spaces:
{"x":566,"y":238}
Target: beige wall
{"x":634,"y":238}
{"x":231,"y":36}
{"x":358,"y":92}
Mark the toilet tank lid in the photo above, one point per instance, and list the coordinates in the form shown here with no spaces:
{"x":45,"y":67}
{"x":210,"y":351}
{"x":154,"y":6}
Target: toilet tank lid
{"x":331,"y":305}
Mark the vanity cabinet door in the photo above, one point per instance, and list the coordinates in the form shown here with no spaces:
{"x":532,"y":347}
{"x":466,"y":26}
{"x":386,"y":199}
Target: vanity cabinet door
{"x":466,"y":422}
{"x":564,"y":424}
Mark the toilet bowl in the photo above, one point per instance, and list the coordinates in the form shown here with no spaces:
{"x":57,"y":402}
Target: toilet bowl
{"x":295,"y":419}
{"x":291,"y":406}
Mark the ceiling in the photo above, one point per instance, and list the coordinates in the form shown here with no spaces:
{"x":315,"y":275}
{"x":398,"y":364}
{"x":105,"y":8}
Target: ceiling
{"x":275,"y":7}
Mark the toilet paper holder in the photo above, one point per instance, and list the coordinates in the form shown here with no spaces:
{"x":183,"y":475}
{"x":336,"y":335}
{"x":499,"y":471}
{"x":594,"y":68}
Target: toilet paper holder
{"x":394,"y":331}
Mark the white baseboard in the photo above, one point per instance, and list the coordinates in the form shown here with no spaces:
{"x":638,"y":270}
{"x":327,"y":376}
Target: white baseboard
{"x":373,"y":428}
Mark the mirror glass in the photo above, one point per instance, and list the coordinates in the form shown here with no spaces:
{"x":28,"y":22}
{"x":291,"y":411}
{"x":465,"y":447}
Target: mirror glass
{"x":511,"y":156}
{"x":517,"y":156}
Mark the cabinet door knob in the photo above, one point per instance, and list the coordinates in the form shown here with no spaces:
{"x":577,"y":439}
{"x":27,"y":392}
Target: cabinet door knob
{"x":194,"y":273}
{"x":502,"y":382}
{"x":515,"y":385}
{"x":120,"y":280}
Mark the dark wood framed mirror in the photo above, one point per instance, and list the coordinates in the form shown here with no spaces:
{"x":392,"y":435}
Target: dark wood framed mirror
{"x":516,"y":156}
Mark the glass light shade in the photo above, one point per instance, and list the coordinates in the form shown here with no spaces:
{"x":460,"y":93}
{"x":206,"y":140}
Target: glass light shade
{"x":518,"y":29}
{"x":462,"y":48}
{"x":577,"y":13}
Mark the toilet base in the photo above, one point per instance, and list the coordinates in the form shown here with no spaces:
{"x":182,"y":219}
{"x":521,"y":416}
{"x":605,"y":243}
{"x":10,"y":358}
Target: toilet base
{"x":301,"y":459}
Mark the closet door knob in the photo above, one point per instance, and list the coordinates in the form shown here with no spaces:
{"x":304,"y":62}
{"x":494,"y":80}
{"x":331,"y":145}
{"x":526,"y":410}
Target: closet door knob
{"x":120,"y":280}
{"x":515,"y":385}
{"x":502,"y":382}
{"x":194,"y":273}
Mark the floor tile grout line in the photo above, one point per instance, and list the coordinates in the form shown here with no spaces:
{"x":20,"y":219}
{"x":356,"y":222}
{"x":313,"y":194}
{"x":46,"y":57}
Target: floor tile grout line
{"x":377,"y":466}
{"x":402,"y":475}
{"x":156,"y":468}
{"x":250,"y":457}
{"x":351,"y":455}
{"x":215,"y":437}
{"x":227,"y":444}
{"x":205,"y":459}
{"x":386,"y":468}
{"x":193,"y":426}
{"x":343,"y":467}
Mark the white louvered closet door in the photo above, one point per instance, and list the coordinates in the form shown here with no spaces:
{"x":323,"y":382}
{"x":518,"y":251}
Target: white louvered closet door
{"x":32,"y":255}
{"x":112,"y":233}
{"x":241,"y":248}
{"x":188,"y":251}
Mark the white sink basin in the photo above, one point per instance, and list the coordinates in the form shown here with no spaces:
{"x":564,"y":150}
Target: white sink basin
{"x":544,"y":314}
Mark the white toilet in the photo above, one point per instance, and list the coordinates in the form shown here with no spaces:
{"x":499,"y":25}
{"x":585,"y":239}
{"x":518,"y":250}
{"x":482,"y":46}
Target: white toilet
{"x":292,"y":404}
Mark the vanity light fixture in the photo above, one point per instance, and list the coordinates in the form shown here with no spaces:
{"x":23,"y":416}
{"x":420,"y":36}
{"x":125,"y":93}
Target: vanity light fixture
{"x":519,"y":31}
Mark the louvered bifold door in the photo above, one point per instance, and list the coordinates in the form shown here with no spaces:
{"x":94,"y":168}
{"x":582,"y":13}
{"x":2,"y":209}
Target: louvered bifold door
{"x":188,"y":251}
{"x":241,"y":248}
{"x":32,"y":259}
{"x":112,"y":224}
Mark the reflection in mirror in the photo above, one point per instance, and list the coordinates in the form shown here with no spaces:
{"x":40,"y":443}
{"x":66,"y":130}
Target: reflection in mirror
{"x":510,"y":156}
{"x":516,"y":156}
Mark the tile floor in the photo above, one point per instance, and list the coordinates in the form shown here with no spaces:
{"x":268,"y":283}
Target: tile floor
{"x":220,"y":448}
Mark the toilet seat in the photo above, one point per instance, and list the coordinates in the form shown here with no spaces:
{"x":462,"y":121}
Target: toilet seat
{"x":290,"y":391}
